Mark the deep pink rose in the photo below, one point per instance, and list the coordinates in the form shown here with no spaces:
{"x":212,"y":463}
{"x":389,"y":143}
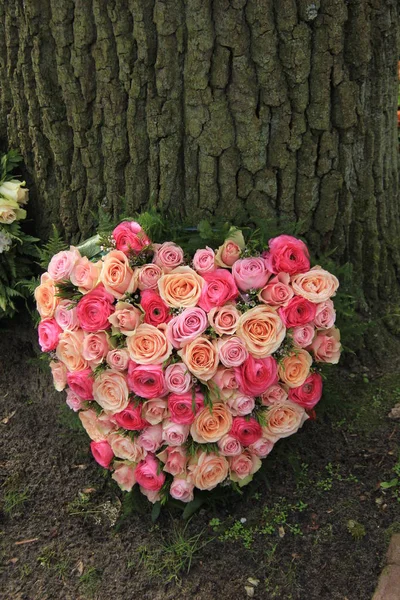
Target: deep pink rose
{"x":303,"y":335}
{"x":181,"y":489}
{"x":130,"y":237}
{"x":131,"y":418}
{"x":325,"y":315}
{"x":204,"y":260}
{"x":147,"y":381}
{"x":308,"y":394}
{"x":250,"y":273}
{"x":298,"y":311}
{"x":102,"y":453}
{"x":256,"y":375}
{"x":326,"y":346}
{"x":94,"y":309}
{"x":187,"y":326}
{"x":178,"y":378}
{"x":246,"y":431}
{"x":175,"y":459}
{"x":184,"y":407}
{"x":277,"y":292}
{"x":147,"y":475}
{"x":219,"y":289}
{"x":156,"y":311}
{"x":81,"y":382}
{"x":151,"y":438}
{"x":49,"y":332}
{"x":287,"y":254}
{"x":168,"y":256}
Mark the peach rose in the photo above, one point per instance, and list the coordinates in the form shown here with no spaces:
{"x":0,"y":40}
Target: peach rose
{"x":116,"y":275}
{"x":148,"y":276}
{"x":316,"y":285}
{"x":262,"y":330}
{"x":69,"y":350}
{"x":118,"y":359}
{"x":124,"y":475}
{"x":294,"y":368}
{"x":277,"y":292}
{"x":154,"y":411}
{"x":284,"y":419}
{"x":125,"y":318}
{"x":148,"y":345}
{"x":208,"y":470}
{"x":95,"y":348}
{"x":275,"y":394}
{"x":181,"y":288}
{"x":45,"y":296}
{"x":201,"y":357}
{"x":243,"y":466}
{"x":211,"y":425}
{"x":59,"y":372}
{"x":224,"y":319}
{"x":85,"y":274}
{"x":326,"y":346}
{"x":126,"y":448}
{"x":110,"y":390}
{"x":96,"y":428}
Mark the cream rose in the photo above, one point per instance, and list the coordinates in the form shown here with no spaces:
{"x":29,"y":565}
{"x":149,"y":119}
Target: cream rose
{"x":211,"y":426}
{"x":69,"y":350}
{"x":59,"y":372}
{"x":284,"y":419}
{"x":201,"y":357}
{"x":124,"y":447}
{"x":317,"y":285}
{"x":126,"y":318}
{"x":295,"y":368}
{"x":110,"y":390}
{"x":208,"y":470}
{"x":262,"y":330}
{"x":116,"y":275}
{"x":181,"y":288}
{"x":148,"y":345}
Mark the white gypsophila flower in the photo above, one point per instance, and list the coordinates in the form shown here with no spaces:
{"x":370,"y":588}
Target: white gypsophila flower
{"x":5,"y":242}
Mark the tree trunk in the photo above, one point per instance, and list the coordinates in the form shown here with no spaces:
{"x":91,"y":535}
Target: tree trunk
{"x":245,"y":109}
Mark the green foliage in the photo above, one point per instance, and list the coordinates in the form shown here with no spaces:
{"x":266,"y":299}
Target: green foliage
{"x":55,"y":244}
{"x":356,"y":530}
{"x":8,"y":163}
{"x":90,"y":581}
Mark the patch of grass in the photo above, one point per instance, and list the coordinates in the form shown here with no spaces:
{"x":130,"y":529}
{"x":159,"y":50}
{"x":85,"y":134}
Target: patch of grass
{"x":14,"y":500}
{"x":83,"y":506}
{"x":59,"y":565}
{"x":281,"y":581}
{"x":89,"y":582}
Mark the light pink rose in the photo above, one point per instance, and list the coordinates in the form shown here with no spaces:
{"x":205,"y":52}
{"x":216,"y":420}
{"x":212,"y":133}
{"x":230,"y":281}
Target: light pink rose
{"x":224,"y":319}
{"x":126,"y":317}
{"x":326,"y":346}
{"x":240,"y":404}
{"x":124,"y":475}
{"x":168,"y":256}
{"x":118,"y":359}
{"x":95,"y":348}
{"x":124,"y":447}
{"x":174,"y":434}
{"x":148,"y":276}
{"x":303,"y":335}
{"x":154,"y":411}
{"x":232,"y":351}
{"x":102,"y":453}
{"x":275,"y":394}
{"x":151,"y":438}
{"x":181,"y":489}
{"x":243,"y":465}
{"x":250,"y":273}
{"x":49,"y":334}
{"x":110,"y":390}
{"x":147,"y":474}
{"x":204,"y":260}
{"x":226,"y":381}
{"x":65,"y":315}
{"x":178,"y":378}
{"x":325,"y":315}
{"x":85,"y":274}
{"x":186,"y":326}
{"x":262,"y":447}
{"x":62,"y":263}
{"x":74,"y":401}
{"x":174,"y":458}
{"x":59,"y":372}
{"x":229,"y":446}
{"x":277,"y":292}
{"x":231,"y":249}
{"x":152,"y":496}
{"x":284,"y":420}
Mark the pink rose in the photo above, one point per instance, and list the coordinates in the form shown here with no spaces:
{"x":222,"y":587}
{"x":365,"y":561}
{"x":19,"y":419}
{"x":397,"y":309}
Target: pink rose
{"x":59,"y":372}
{"x":94,"y":309}
{"x":152,"y":496}
{"x":168,"y":256}
{"x":246,"y":431}
{"x":184,"y":407}
{"x":225,"y":380}
{"x":287,"y":254}
{"x":229,"y":252}
{"x":81,"y":382}
{"x":178,"y":378}
{"x":186,"y":326}
{"x":95,"y":348}
{"x":126,"y":318}
{"x":303,"y":335}
{"x":250,"y":273}
{"x":298,"y":311}
{"x":147,"y":381}
{"x":147,"y":475}
{"x":130,"y":237}
{"x":229,"y":446}
{"x":243,"y":465}
{"x":74,"y":401}
{"x":261,"y":447}
{"x":308,"y":394}
{"x":65,"y":315}
{"x":325,"y":315}
{"x":131,"y":418}
{"x":240,"y":405}
{"x":175,"y":459}
{"x":277,"y":292}
{"x":204,"y":260}
{"x":275,"y":394}
{"x":126,"y":448}
{"x":155,"y":410}
{"x":102,"y":453}
{"x":224,"y":320}
{"x":85,"y":274}
{"x":62,"y":263}
{"x":256,"y":375}
{"x":155,"y":309}
{"x":49,"y":332}
{"x":181,"y":490}
{"x":148,"y":276}
{"x":118,"y":359}
{"x":219,"y":289}
{"x":151,"y":438}
{"x":124,"y":475}
{"x":326,"y":346}
{"x":174,"y":434}
{"x":232,"y":351}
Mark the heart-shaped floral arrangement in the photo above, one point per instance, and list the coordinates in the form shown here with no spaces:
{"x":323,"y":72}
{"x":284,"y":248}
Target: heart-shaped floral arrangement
{"x":187,"y":371}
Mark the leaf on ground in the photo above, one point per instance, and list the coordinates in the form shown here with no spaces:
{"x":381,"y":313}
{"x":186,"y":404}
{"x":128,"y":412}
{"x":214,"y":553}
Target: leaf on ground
{"x":8,"y":417}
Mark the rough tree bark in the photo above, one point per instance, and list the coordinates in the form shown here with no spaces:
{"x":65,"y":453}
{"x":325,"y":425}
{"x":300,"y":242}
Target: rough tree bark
{"x":241,"y":108}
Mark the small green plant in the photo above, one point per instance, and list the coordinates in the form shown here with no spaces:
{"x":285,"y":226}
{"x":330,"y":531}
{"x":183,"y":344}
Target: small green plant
{"x":333,"y":474}
{"x":357,"y":530}
{"x":90,"y":581}
{"x":82,"y":506}
{"x":393,"y":484}
{"x":14,"y":501}
{"x":51,"y":560}
{"x":238,"y":532}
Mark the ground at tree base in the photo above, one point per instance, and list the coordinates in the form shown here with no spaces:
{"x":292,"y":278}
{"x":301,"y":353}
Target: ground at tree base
{"x":314,"y":526}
